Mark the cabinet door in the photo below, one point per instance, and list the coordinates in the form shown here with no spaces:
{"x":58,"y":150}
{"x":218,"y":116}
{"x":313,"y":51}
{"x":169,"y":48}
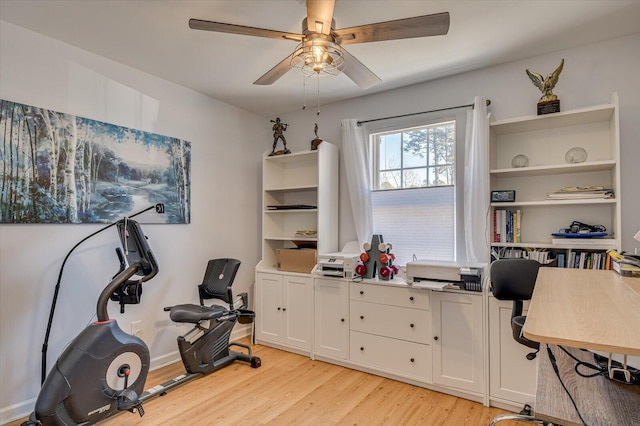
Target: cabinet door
{"x":269,"y":305}
{"x":512,"y":377}
{"x":331,"y":318}
{"x":298,"y":311}
{"x":457,"y":340}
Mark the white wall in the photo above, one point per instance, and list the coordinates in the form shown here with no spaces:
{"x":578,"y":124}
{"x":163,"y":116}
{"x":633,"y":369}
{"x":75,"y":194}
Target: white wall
{"x":591,"y":74}
{"x":226,"y":174}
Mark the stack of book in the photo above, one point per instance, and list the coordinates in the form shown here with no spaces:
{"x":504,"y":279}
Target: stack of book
{"x":506,"y":226}
{"x":580,"y":193}
{"x":306,"y":233}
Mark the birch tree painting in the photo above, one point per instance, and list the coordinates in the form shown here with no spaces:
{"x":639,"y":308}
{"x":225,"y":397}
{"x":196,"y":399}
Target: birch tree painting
{"x":59,"y":168}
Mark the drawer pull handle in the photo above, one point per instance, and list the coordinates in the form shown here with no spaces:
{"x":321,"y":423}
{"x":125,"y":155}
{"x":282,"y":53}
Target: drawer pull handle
{"x":361,"y":292}
{"x":279,"y":308}
{"x":411,"y":325}
{"x":361,"y":316}
{"x":435,"y":337}
{"x":411,"y":298}
{"x":362,"y":348}
{"x":284,"y":309}
{"x":342,"y":319}
{"x":412,"y":360}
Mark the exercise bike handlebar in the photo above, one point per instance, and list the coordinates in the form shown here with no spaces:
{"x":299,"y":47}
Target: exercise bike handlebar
{"x":114,"y":285}
{"x":138,"y":259}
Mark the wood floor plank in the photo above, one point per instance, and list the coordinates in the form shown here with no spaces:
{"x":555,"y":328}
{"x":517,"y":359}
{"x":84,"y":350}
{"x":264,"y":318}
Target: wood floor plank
{"x":290,"y":389}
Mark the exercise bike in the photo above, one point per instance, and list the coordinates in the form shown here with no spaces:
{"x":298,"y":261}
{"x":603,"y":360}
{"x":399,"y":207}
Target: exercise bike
{"x":103,"y":370}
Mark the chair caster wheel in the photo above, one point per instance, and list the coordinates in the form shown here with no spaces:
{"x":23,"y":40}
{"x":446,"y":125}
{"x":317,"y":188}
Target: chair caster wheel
{"x":255,"y":362}
{"x":526,"y":411}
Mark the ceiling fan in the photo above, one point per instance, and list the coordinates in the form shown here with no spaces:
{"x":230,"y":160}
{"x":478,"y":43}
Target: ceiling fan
{"x":320,"y":44}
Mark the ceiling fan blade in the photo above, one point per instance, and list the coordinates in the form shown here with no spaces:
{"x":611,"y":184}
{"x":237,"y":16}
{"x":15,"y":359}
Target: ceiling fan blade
{"x":320,"y":15}
{"x":358,"y":72}
{"x":198,"y":24}
{"x":276,"y":72}
{"x":419,"y":26}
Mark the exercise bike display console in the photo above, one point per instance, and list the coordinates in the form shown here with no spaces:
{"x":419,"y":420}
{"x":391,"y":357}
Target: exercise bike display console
{"x":103,"y":370}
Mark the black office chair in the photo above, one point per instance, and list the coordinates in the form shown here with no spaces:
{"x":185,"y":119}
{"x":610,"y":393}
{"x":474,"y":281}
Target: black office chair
{"x":514,"y":279}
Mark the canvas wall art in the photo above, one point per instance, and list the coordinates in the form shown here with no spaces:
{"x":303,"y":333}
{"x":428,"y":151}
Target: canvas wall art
{"x":61,"y":168}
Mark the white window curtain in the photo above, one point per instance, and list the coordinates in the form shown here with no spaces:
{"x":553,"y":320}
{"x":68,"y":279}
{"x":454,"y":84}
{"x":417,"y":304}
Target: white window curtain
{"x":476,"y":183}
{"x":356,"y":164}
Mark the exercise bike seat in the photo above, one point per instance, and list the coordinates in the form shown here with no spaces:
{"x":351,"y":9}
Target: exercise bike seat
{"x":193,"y":314}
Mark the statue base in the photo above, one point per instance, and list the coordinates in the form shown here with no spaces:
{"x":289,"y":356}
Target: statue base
{"x":548,"y":107}
{"x":280,"y":152}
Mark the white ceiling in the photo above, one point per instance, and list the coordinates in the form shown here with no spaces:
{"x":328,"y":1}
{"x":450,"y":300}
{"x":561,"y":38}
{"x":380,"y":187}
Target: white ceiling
{"x":153,"y":36}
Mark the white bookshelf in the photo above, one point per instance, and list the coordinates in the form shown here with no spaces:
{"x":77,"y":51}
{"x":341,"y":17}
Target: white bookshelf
{"x":308,"y":178}
{"x":545,"y":140}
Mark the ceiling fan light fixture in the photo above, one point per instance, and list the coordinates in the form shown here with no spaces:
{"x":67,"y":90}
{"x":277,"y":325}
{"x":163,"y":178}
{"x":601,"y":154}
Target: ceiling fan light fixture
{"x":317,"y":55}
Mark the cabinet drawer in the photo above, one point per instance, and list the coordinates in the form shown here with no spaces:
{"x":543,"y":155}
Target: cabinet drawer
{"x":396,"y":296}
{"x":412,"y":360}
{"x":413,"y":325}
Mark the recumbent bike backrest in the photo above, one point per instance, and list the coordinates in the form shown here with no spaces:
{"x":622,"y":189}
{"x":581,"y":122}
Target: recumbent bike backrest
{"x":218,"y":279}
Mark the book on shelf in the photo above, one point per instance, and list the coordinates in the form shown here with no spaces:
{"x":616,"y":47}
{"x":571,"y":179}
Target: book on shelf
{"x":507,"y":226}
{"x":587,"y":260}
{"x":580,"y":193}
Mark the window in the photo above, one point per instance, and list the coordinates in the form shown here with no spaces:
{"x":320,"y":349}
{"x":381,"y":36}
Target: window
{"x":415,"y":158}
{"x":413,"y":177}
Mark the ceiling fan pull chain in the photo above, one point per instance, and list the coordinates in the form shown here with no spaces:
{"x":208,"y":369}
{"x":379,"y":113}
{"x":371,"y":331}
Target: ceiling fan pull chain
{"x":318,"y":112}
{"x":304,"y":93}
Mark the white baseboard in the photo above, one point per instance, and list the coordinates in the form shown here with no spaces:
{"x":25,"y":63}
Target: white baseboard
{"x":16,"y":411}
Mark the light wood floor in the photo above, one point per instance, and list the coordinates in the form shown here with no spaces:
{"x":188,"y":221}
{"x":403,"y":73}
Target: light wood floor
{"x":290,"y":389}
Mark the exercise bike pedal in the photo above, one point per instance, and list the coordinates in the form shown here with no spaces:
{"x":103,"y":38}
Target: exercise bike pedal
{"x":128,"y":401}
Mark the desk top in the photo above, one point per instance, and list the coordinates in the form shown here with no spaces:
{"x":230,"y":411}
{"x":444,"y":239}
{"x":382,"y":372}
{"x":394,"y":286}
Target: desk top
{"x":589,"y":309}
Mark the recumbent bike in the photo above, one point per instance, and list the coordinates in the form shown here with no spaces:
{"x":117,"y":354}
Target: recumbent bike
{"x":103,"y":370}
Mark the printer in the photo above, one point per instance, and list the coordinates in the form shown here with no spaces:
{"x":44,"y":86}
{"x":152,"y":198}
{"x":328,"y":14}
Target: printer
{"x":337,"y":265}
{"x":462,"y":275}
{"x":341,"y":264}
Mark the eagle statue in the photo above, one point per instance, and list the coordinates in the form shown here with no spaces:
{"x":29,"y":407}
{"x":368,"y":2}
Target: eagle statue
{"x":546,"y":84}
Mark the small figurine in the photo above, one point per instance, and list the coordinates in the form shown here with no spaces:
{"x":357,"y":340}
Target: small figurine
{"x":278,"y":129}
{"x":317,"y":140}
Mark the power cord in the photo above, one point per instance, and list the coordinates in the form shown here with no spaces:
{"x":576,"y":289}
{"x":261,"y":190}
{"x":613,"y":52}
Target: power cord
{"x":602,"y":370}
{"x":554,"y":364}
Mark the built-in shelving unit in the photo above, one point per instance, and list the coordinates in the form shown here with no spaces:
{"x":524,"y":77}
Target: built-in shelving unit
{"x":300,"y":193}
{"x":545,"y":140}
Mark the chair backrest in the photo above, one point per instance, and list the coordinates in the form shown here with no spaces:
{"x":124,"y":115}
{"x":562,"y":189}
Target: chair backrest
{"x":218,"y":280}
{"x":513,"y":279}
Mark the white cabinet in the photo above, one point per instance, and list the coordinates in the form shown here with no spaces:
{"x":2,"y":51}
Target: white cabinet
{"x":512,"y":377}
{"x":331,"y":312}
{"x":284,"y":309}
{"x":390,"y":328}
{"x":300,"y":193}
{"x":546,"y":142}
{"x":458,"y":330}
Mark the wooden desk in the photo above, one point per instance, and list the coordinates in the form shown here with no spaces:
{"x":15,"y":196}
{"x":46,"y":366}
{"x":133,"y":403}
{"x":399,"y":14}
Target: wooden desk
{"x":597,"y":310}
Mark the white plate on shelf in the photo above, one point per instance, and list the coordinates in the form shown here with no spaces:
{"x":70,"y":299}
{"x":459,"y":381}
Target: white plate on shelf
{"x":520,"y":161}
{"x":576,"y":155}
